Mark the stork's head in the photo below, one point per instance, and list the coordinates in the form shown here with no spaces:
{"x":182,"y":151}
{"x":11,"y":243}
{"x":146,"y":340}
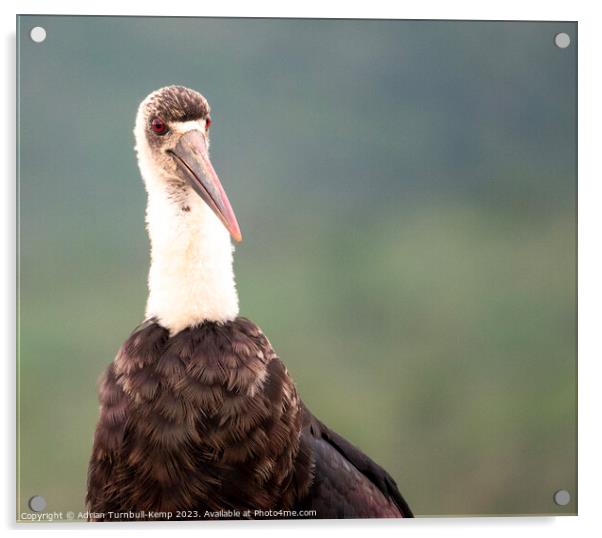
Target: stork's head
{"x":172,"y":142}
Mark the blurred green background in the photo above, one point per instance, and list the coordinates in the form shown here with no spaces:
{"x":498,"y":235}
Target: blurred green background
{"x":407,"y":193}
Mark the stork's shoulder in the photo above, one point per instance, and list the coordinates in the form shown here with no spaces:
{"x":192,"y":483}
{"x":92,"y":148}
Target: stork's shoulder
{"x":234,"y":355}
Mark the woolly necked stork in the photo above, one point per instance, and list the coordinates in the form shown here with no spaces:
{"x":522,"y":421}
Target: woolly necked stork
{"x":198,"y":415}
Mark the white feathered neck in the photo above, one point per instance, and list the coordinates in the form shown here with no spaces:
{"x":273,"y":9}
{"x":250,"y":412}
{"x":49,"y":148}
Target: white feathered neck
{"x":191,"y":278}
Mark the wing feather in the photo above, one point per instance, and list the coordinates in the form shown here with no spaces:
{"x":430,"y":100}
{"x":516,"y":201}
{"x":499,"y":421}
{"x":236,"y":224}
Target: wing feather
{"x":347,"y":482}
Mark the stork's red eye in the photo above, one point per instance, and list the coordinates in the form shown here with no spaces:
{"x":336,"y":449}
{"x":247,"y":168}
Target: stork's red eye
{"x":207,"y":123}
{"x":158,"y":126}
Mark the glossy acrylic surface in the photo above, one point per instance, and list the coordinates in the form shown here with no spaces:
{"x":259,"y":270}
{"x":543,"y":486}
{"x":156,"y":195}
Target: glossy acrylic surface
{"x":407,"y":194}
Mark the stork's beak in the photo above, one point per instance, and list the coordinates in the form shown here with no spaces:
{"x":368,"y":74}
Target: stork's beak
{"x":192,"y":155}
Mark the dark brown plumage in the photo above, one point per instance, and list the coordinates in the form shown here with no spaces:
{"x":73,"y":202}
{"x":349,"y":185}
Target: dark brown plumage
{"x":209,"y":419}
